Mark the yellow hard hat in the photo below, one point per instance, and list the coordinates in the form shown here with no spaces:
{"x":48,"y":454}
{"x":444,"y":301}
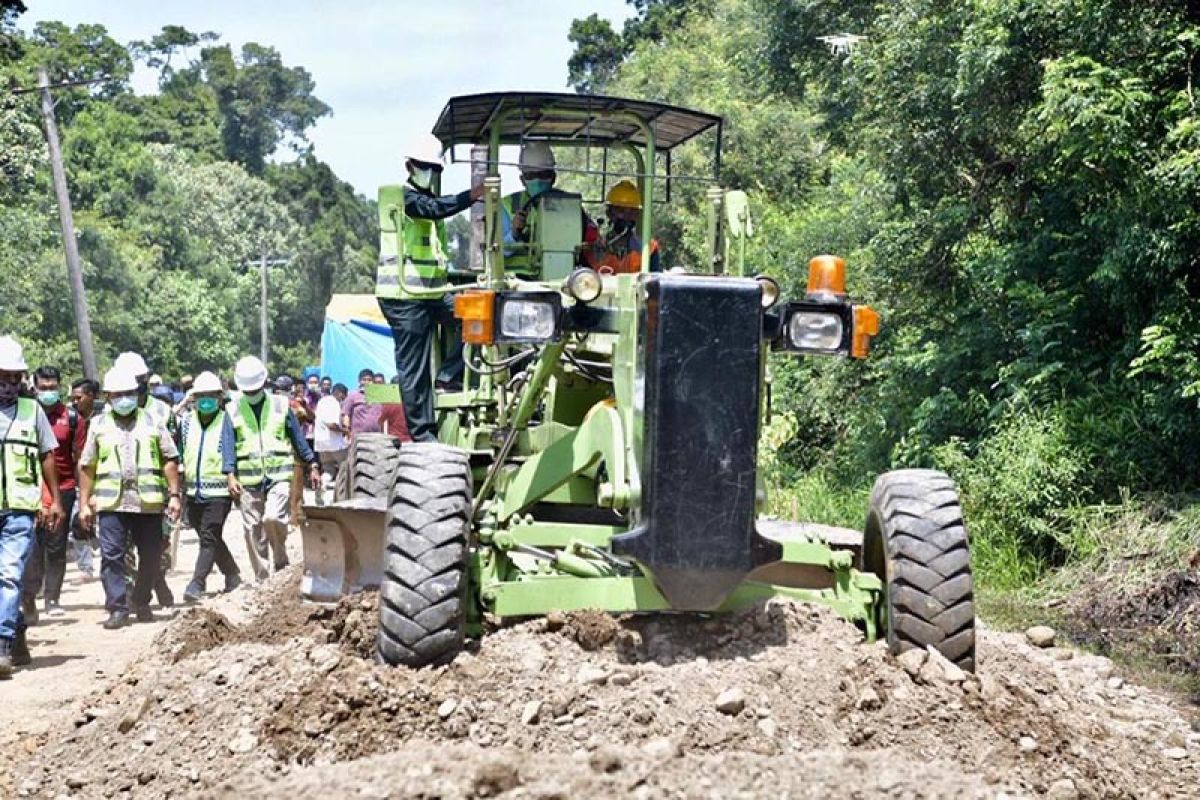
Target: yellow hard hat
{"x":624,"y":195}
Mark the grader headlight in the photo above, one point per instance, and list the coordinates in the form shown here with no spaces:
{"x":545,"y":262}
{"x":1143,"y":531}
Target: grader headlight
{"x":530,"y":317}
{"x":815,"y":331}
{"x":584,"y":284}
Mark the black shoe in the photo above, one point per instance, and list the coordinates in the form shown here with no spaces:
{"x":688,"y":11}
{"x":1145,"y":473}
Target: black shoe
{"x":165,"y":598}
{"x":6,"y":662}
{"x":29,"y":606}
{"x":232,"y":582}
{"x":20,"y":650}
{"x":193,"y":593}
{"x":116,"y":619}
{"x":144,"y":614}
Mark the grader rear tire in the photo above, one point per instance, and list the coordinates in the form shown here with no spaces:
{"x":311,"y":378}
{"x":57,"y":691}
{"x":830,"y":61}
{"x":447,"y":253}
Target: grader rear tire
{"x":916,"y":542}
{"x":423,"y":595}
{"x":368,"y":469}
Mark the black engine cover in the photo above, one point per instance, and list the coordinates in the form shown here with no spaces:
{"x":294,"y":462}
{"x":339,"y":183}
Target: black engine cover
{"x":701,"y":343}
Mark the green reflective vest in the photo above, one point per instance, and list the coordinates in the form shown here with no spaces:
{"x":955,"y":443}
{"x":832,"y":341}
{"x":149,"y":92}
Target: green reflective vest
{"x":517,"y":253}
{"x":202,"y":457}
{"x":422,"y":251}
{"x":20,"y":464}
{"x":264,"y":452}
{"x":151,"y":483}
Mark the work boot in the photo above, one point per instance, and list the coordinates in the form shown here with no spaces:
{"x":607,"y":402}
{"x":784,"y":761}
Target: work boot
{"x":165,"y":598}
{"x":20,"y":650}
{"x":53,"y":609}
{"x":144,"y":614}
{"x":233,"y":581}
{"x":29,"y":607}
{"x":193,"y":593}
{"x":117,"y":619}
{"x":6,"y":662}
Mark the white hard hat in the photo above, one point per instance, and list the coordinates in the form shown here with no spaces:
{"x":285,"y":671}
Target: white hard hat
{"x":536,"y":156}
{"x":249,"y":374}
{"x":424,"y":148}
{"x":207,"y":382}
{"x":155,"y":380}
{"x":131,"y":361}
{"x":119,"y":380}
{"x":12,"y":356}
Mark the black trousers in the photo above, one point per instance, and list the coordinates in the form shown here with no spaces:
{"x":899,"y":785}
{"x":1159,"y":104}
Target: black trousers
{"x":414,"y":325}
{"x":47,"y":564}
{"x":208,"y":520}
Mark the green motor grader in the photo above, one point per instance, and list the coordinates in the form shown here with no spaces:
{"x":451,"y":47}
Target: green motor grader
{"x":601,"y":453}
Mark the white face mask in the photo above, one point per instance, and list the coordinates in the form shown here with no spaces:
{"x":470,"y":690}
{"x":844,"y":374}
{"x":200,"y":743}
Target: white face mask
{"x":421,"y":178}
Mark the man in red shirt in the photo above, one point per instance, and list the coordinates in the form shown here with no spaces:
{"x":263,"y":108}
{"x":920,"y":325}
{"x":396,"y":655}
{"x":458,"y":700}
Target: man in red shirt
{"x":48,"y":559}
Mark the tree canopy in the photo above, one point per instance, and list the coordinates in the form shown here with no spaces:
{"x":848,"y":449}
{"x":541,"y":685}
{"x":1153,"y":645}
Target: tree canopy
{"x":176,"y":199}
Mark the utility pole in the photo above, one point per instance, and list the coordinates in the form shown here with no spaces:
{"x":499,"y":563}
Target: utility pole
{"x":264,"y":349}
{"x":83,"y":325}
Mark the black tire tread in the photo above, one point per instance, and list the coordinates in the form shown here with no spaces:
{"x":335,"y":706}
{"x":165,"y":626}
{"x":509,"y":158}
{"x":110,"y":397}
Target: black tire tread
{"x":927,"y":575}
{"x":369,"y":466}
{"x":423,"y":595}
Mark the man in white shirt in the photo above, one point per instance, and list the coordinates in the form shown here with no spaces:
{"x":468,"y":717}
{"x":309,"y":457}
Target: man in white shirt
{"x":329,"y":436}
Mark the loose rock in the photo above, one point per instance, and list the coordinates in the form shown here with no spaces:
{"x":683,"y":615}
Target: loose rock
{"x":731,"y":701}
{"x":1040,"y":636}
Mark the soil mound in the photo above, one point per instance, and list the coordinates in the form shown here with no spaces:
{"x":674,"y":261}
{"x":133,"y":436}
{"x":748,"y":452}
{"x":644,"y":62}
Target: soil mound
{"x":779,"y":699}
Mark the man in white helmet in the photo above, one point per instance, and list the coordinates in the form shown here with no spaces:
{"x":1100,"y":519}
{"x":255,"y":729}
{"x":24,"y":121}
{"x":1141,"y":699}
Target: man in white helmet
{"x":538,"y":175}
{"x":128,"y":479}
{"x":27,"y":445}
{"x":205,"y":438}
{"x":161,"y":413}
{"x":267,"y":442}
{"x":134,"y":364}
{"x":402,"y":286}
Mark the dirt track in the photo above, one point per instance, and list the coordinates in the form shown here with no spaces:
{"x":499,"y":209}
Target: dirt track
{"x":782,"y":701}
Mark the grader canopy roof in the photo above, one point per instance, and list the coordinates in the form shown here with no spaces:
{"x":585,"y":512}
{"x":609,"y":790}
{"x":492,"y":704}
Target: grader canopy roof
{"x":581,"y":117}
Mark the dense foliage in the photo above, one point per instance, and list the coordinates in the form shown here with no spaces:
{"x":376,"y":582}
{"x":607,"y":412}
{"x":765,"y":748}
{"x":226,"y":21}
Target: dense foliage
{"x":1014,"y":184}
{"x":176,"y":199}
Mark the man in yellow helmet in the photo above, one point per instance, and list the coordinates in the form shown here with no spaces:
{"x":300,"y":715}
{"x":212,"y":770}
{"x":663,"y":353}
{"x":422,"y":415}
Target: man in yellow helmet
{"x":620,"y":247}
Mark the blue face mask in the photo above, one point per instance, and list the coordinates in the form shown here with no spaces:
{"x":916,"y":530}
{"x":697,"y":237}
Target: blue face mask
{"x":49,"y":398}
{"x":124,"y":405}
{"x":538,"y":186}
{"x":206,"y":405}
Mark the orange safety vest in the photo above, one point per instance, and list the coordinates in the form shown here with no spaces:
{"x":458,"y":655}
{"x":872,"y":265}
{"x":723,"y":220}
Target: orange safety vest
{"x":611,"y":263}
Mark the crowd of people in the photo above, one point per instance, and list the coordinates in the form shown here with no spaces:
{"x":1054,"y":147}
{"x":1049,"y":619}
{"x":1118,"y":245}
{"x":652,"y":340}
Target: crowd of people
{"x":119,"y":466}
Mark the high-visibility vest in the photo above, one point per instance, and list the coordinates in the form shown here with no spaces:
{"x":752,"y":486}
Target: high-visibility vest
{"x":151,"y":483}
{"x":630,"y":261}
{"x":264,"y":451}
{"x":202,"y":457}
{"x":20,"y":462}
{"x":520,"y":253}
{"x":423,"y":253}
{"x":158,"y":411}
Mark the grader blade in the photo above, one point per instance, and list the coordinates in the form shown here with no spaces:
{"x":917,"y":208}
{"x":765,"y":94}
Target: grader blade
{"x":343,"y":548}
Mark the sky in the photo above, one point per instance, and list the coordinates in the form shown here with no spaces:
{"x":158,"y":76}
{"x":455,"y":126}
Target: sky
{"x":385,"y":67}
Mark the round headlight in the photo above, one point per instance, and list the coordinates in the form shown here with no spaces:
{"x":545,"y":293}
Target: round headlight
{"x":770,"y":290}
{"x":584,"y":284}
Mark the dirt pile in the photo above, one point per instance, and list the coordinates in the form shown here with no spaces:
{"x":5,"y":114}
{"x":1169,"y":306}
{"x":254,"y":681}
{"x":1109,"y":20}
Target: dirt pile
{"x":780,"y":699}
{"x":1156,"y":616}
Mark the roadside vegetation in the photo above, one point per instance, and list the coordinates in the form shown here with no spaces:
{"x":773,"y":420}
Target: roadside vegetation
{"x":1013,"y":185}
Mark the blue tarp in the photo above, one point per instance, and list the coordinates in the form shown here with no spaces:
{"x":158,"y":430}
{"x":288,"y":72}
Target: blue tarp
{"x":347,"y":347}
